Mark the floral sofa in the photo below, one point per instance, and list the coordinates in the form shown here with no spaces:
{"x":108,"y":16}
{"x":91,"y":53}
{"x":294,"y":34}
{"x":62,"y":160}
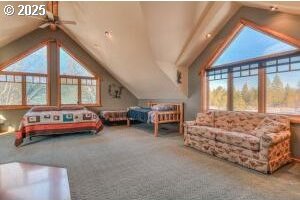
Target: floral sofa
{"x":254,"y":140}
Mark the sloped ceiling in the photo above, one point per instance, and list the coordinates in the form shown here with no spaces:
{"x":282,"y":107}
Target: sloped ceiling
{"x":292,"y":7}
{"x":13,"y":27}
{"x":150,"y":40}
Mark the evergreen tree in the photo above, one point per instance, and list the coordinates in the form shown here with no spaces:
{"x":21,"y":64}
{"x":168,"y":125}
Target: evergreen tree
{"x":254,"y":98}
{"x":297,"y":95}
{"x":279,"y":96}
{"x":218,"y":98}
{"x":239,"y":102}
{"x":246,"y":95}
{"x":289,"y":94}
{"x":277,"y":89}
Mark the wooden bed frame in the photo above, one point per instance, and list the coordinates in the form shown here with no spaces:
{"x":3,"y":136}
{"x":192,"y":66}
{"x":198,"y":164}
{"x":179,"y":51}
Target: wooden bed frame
{"x":163,"y":117}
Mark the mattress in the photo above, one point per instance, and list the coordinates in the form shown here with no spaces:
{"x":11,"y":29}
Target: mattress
{"x":139,"y":114}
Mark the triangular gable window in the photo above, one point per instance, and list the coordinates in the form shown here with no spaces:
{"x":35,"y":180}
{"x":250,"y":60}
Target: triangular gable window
{"x":71,"y":67}
{"x":35,"y":62}
{"x":250,"y":43}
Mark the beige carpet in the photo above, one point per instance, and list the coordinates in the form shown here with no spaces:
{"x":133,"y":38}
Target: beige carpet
{"x":129,"y":163}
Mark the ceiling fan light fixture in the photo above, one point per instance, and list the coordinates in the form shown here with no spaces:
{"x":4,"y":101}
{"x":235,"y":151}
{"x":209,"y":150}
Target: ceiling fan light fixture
{"x":273,"y":8}
{"x":108,"y":34}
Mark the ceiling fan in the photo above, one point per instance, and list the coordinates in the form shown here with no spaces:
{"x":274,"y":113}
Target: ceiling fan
{"x":51,"y":19}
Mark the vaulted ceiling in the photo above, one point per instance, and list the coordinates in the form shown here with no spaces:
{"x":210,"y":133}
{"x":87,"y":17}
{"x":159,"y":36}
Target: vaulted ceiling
{"x":150,"y":40}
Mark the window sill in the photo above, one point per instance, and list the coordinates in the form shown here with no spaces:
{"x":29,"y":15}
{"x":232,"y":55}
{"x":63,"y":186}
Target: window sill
{"x":85,"y":105}
{"x":295,"y":119}
{"x":28,"y":107}
{"x":92,"y":105}
{"x":14,"y":107}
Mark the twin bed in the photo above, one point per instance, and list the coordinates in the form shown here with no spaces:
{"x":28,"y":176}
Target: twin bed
{"x":156,"y":114}
{"x":49,"y":120}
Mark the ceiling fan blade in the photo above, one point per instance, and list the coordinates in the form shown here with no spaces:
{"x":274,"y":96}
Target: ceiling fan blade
{"x":50,"y":15}
{"x":66,"y":22}
{"x":44,"y":25}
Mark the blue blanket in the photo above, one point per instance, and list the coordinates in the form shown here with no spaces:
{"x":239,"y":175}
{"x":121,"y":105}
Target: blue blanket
{"x":139,"y":114}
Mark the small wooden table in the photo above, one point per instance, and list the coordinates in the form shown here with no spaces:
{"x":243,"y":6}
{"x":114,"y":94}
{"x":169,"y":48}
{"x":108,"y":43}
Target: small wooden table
{"x":33,"y":182}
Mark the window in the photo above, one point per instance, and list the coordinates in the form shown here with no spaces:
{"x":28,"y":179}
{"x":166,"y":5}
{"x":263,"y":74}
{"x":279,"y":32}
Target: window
{"x":69,"y":91}
{"x":283,"y":86}
{"x":255,"y":72}
{"x":245,"y":87}
{"x":250,"y":43}
{"x":36,"y":90}
{"x":77,"y":85}
{"x":11,"y":90}
{"x":218,"y":94}
{"x":245,"y":93}
{"x":88,"y":91}
{"x":24,"y":82}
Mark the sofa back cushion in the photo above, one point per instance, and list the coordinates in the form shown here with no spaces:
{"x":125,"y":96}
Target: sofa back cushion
{"x":205,"y":119}
{"x":269,"y":125}
{"x":244,"y":122}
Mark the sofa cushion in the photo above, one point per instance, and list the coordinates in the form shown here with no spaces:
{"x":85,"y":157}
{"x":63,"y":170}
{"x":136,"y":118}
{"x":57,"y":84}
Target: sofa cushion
{"x":237,"y":121}
{"x":230,"y":149}
{"x":239,"y":139}
{"x":205,"y":119}
{"x":204,"y":131}
{"x":271,"y":139}
{"x":268,"y":126}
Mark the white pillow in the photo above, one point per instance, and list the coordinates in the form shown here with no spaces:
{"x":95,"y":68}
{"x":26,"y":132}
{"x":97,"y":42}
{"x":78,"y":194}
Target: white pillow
{"x":162,"y":107}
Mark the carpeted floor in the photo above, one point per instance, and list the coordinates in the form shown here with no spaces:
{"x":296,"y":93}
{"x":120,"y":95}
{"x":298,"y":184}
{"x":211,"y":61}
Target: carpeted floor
{"x":129,"y":163}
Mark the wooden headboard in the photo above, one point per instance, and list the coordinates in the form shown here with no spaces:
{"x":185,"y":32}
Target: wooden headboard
{"x":177,"y":106}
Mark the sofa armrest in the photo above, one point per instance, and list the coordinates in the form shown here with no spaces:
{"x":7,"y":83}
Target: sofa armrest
{"x":271,"y":139}
{"x":189,"y":123}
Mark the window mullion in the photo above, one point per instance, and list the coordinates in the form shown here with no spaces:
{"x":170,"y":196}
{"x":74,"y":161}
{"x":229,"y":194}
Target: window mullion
{"x":261,"y":89}
{"x":204,"y":90}
{"x":79,"y":91}
{"x":98,"y":90}
{"x":230,"y":91}
{"x":24,"y":101}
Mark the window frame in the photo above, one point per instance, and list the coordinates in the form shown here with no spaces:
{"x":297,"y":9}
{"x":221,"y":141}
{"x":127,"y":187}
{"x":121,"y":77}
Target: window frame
{"x":23,"y":75}
{"x":96,"y":77}
{"x":204,"y":81}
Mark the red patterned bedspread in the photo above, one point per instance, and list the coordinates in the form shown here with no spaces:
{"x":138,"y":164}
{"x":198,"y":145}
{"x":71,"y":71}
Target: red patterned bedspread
{"x":52,"y":120}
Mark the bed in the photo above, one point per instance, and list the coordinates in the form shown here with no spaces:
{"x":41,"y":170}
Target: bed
{"x":49,"y":120}
{"x":157,"y":113}
{"x":109,"y":116}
